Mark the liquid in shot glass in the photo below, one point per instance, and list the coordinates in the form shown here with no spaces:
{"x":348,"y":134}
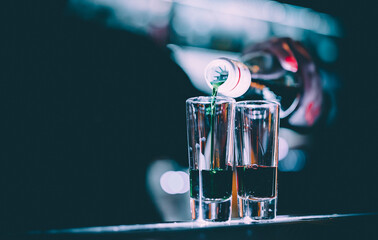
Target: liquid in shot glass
{"x":210,"y":149}
{"x":256,"y":150}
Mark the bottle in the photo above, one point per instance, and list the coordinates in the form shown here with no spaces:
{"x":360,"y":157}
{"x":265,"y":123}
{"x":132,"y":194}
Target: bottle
{"x":280,"y":70}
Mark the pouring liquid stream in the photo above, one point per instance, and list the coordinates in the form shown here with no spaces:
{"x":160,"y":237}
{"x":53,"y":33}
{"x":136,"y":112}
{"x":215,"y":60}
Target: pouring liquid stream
{"x":219,"y":80}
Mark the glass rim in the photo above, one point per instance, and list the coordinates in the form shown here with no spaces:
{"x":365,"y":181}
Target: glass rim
{"x":257,"y":103}
{"x":209,"y":99}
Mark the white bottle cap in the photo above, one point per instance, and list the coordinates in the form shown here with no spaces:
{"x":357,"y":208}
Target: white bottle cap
{"x":238,"y":77}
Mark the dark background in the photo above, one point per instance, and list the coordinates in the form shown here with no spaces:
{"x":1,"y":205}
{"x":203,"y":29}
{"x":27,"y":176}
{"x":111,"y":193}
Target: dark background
{"x":342,"y":176}
{"x":85,"y":108}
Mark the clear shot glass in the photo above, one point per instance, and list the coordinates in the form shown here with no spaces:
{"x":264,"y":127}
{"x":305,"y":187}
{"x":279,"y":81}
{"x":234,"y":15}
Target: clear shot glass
{"x":256,"y":158}
{"x":210,"y":150}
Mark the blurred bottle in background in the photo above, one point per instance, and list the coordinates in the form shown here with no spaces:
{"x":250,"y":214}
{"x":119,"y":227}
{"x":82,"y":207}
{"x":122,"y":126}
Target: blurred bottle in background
{"x":279,"y":69}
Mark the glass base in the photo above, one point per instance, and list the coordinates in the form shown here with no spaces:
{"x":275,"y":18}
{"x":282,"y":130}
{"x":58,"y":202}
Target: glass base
{"x":257,"y":209}
{"x":212,"y":210}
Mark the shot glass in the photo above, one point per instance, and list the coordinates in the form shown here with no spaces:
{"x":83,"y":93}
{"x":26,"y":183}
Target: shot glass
{"x":256,"y":153}
{"x":210,"y":149}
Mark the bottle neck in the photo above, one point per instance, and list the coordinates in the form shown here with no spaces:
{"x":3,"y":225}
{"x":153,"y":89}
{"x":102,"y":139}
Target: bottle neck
{"x":283,"y":90}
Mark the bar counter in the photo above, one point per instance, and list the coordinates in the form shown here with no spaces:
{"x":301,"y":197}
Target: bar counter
{"x":334,"y":226}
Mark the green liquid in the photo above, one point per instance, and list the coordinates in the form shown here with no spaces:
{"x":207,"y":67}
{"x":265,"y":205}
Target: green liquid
{"x":215,"y":183}
{"x":215,"y":85}
{"x":212,"y":120}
